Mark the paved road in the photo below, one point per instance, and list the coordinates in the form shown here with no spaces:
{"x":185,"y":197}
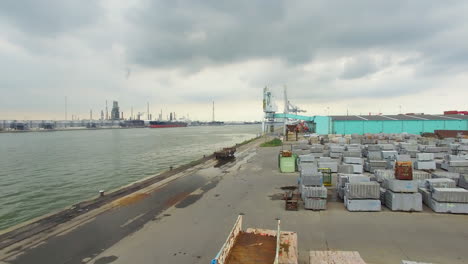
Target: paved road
{"x":108,"y":228}
{"x":190,"y":228}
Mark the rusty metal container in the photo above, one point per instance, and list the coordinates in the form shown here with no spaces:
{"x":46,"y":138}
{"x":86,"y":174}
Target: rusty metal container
{"x":403,"y":170}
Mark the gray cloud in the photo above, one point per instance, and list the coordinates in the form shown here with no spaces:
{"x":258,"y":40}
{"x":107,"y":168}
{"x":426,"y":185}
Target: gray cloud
{"x":146,"y":50}
{"x":49,"y":17}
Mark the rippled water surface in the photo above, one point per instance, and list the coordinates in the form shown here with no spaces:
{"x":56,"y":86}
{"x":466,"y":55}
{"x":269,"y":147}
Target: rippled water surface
{"x":45,"y":172}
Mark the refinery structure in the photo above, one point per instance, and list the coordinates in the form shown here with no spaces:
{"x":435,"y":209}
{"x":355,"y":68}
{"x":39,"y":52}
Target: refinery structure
{"x":410,"y":123}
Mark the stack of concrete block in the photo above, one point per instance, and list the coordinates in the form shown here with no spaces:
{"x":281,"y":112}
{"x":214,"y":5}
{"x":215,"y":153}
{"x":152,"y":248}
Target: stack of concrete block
{"x":374,"y":158}
{"x":399,"y":157}
{"x":345,"y":168}
{"x":372,"y":165}
{"x":362,"y":196}
{"x":302,"y":149}
{"x":442,"y":196}
{"x":455,"y":176}
{"x":449,"y":200}
{"x":314,"y":197}
{"x":438,"y":151}
{"x":408,"y":148}
{"x":462,"y":148}
{"x":403,"y":195}
{"x":431,"y":184}
{"x":313,"y":193}
{"x":331,"y":164}
{"x":425,"y":161}
{"x":421,"y":177}
{"x":381,"y":175}
{"x":343,"y":179}
{"x":463,"y":181}
{"x":336,"y":151}
{"x":305,"y":160}
{"x":310,"y":177}
{"x":353,"y":150}
{"x":316,"y":148}
{"x":356,"y":164}
{"x":455,"y":163}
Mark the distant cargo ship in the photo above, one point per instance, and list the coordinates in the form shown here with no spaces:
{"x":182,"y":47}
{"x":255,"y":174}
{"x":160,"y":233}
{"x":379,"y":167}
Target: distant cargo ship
{"x":162,"y":124}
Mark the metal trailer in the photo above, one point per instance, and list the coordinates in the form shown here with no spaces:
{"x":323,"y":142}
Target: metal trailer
{"x":260,"y":246}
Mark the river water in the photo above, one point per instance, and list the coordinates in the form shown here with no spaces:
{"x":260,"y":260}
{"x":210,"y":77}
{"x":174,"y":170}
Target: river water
{"x":45,"y":172}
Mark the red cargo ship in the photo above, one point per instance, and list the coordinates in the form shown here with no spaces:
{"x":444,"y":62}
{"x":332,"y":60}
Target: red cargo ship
{"x":162,"y":124}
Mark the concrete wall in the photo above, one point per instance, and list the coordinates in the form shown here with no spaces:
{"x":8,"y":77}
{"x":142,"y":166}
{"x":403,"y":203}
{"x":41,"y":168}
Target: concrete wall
{"x":395,"y":126}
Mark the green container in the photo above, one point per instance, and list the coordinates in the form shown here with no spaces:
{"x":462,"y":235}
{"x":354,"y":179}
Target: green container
{"x":287,"y":164}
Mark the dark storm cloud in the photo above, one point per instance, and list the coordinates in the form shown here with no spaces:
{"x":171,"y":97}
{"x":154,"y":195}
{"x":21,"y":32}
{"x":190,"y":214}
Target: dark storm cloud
{"x":201,"y":33}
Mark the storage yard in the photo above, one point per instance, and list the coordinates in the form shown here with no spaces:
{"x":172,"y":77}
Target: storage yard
{"x":381,"y":219}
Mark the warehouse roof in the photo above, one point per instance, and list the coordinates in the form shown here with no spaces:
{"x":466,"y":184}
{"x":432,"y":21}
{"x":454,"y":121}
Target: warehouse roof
{"x":398,"y":117}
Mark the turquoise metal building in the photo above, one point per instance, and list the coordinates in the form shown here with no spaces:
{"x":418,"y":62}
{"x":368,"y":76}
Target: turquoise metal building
{"x":354,"y":124}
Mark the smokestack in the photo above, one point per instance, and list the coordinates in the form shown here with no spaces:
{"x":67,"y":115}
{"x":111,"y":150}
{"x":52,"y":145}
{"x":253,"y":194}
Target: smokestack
{"x":147,"y":111}
{"x":107,"y":112}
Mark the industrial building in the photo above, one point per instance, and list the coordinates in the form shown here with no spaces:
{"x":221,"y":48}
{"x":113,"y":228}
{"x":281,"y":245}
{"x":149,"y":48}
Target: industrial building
{"x":360,"y":124}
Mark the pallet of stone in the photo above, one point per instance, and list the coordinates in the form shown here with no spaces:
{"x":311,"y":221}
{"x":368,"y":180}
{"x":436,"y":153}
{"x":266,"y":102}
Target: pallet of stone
{"x":314,"y":180}
{"x":445,"y":165}
{"x":463,"y":181}
{"x":352,"y":154}
{"x":363,"y":205}
{"x":353,"y":160}
{"x":408,"y":202}
{"x":425,"y":165}
{"x":315,"y":204}
{"x":425,"y":156}
{"x":374,"y":148}
{"x":381,"y":175}
{"x":362,"y":190}
{"x":336,"y":154}
{"x":315,"y":148}
{"x":440,"y":183}
{"x":421,"y":177}
{"x":403,"y":157}
{"x":451,"y":208}
{"x":382,"y":195}
{"x":374,"y":155}
{"x":389,"y":154}
{"x":332,"y":165}
{"x":313,"y":192}
{"x":426,"y":195}
{"x":401,"y":186}
{"x":386,"y":146}
{"x":448,"y":175}
{"x":348,"y":178}
{"x":458,"y":163}
{"x":345,"y":168}
{"x":308,"y":169}
{"x":450,"y":195}
{"x":357,"y":168}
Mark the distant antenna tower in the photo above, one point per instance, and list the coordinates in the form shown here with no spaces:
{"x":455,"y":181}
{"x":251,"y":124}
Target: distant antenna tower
{"x":147,"y":111}
{"x":107,"y":112}
{"x":91,"y":114}
{"x":131,"y":113}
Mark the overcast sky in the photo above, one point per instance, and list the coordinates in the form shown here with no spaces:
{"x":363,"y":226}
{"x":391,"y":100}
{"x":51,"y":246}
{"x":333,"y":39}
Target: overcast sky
{"x":357,"y":56}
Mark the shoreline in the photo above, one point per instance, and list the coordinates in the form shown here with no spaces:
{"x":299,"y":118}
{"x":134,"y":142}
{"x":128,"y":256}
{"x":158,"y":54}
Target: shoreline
{"x":99,"y":128}
{"x":35,"y":226}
